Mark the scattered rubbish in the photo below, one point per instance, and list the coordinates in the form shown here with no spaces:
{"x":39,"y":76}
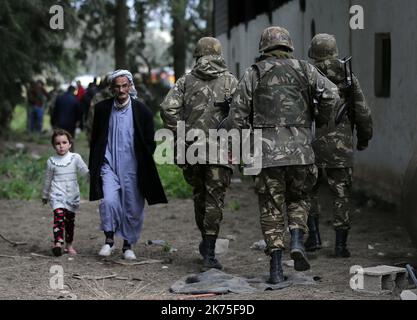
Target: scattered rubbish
{"x":371,"y":247}
{"x":260,"y":259}
{"x":157,"y":242}
{"x":231,"y":237}
{"x":171,"y":250}
{"x":222,"y":246}
{"x":381,"y":254}
{"x":236,"y":180}
{"x":164,"y":267}
{"x":408,"y":295}
{"x":289,"y":263}
{"x":380,"y":279}
{"x":70,"y":259}
{"x":20,"y":146}
{"x":70,"y":296}
{"x":260,"y":245}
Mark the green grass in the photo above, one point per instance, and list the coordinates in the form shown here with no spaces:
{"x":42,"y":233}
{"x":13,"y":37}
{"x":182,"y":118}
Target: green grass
{"x":173,"y":181}
{"x":19,"y":119}
{"x":22,"y":176}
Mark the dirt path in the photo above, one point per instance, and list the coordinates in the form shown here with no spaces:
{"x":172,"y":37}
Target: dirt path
{"x":27,"y":276}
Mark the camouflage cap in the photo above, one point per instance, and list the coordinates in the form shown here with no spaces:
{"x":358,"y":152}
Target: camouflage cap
{"x":274,"y":37}
{"x":323,"y":46}
{"x":208,"y":46}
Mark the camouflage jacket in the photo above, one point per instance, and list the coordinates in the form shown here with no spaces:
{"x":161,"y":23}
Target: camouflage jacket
{"x":194,"y":95}
{"x":334,"y":144}
{"x":283,"y":144}
{"x":100,"y":96}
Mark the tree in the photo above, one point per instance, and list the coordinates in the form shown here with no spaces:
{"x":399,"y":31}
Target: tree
{"x":29,"y":46}
{"x":191,"y":20}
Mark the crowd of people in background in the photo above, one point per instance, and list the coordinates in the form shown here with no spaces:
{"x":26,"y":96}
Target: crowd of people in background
{"x":71,"y":108}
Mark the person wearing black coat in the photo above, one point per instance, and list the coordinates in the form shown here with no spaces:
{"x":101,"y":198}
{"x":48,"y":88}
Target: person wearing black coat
{"x":106,"y":183}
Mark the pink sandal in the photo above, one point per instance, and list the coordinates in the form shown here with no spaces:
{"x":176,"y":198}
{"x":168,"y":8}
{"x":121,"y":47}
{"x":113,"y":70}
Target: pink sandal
{"x":70,"y":251}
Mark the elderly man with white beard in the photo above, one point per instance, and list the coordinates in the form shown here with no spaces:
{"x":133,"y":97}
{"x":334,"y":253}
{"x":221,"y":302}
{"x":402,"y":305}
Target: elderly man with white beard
{"x":123,"y":172}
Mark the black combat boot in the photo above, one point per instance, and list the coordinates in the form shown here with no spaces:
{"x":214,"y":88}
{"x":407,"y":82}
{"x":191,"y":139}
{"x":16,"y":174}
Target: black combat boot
{"x":340,"y":247}
{"x":313,"y":242}
{"x":298,"y":253}
{"x":276,"y":273}
{"x":203,"y":248}
{"x":210,"y":260}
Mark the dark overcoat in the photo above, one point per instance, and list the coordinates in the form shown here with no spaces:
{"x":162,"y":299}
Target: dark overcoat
{"x":149,"y":183}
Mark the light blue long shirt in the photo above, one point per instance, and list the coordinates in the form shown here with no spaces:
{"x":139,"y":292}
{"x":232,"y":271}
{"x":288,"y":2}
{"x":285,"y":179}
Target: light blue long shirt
{"x":122,"y":208}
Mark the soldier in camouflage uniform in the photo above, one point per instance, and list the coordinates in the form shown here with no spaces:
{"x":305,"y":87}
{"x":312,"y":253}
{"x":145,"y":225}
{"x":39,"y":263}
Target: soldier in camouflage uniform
{"x":194,"y":99}
{"x":274,"y":95}
{"x":334,"y":144}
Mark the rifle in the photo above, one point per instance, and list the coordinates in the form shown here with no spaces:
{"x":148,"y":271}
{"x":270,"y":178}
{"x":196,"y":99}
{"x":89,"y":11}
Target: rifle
{"x":224,"y":108}
{"x":348,"y":90}
{"x":315,"y":104}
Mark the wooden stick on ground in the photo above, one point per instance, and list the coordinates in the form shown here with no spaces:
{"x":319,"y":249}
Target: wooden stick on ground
{"x":197,"y":296}
{"x":12,"y":242}
{"x":13,"y":257}
{"x":39,"y":255}
{"x":138,"y":263}
{"x":77,"y":276}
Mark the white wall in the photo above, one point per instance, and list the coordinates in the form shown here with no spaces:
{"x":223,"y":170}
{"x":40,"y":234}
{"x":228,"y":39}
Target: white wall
{"x":381,"y":167}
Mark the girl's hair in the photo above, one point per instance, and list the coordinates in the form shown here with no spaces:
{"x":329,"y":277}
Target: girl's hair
{"x":60,"y":132}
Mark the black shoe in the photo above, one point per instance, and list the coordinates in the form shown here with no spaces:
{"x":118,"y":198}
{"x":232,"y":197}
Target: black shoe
{"x":313,"y":242}
{"x":210,"y":260}
{"x":203,"y":248}
{"x":341,"y":250}
{"x":276,"y":273}
{"x":298,"y":253}
{"x":57,"y":251}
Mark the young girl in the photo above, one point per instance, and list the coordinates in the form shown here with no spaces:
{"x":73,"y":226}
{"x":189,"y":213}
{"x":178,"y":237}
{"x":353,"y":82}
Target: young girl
{"x":61,"y":188}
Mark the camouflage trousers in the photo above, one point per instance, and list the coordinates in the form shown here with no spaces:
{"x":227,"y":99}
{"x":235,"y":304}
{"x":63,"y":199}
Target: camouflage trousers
{"x":209,"y":183}
{"x":340,"y":183}
{"x":279,"y":188}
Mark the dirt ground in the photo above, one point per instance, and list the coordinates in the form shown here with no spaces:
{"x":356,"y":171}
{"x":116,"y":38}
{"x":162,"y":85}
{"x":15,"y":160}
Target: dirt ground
{"x":377,"y":238}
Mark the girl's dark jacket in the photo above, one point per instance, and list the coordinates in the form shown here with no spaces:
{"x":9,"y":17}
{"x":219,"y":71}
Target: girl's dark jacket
{"x":149,"y":183}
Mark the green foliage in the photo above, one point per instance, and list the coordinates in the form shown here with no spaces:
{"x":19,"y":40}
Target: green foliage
{"x":173,"y":181}
{"x":167,"y":247}
{"x":21,"y":175}
{"x":28,"y":47}
{"x":234,"y":205}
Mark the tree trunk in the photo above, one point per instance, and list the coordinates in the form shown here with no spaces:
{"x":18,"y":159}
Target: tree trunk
{"x":120,"y":34}
{"x":178,"y":8}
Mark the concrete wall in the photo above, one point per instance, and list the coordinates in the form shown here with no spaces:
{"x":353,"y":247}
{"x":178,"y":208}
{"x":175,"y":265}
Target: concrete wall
{"x":381,"y":167}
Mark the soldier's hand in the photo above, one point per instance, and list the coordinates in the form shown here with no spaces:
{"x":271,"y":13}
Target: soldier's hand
{"x":362,"y":145}
{"x":44,"y":201}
